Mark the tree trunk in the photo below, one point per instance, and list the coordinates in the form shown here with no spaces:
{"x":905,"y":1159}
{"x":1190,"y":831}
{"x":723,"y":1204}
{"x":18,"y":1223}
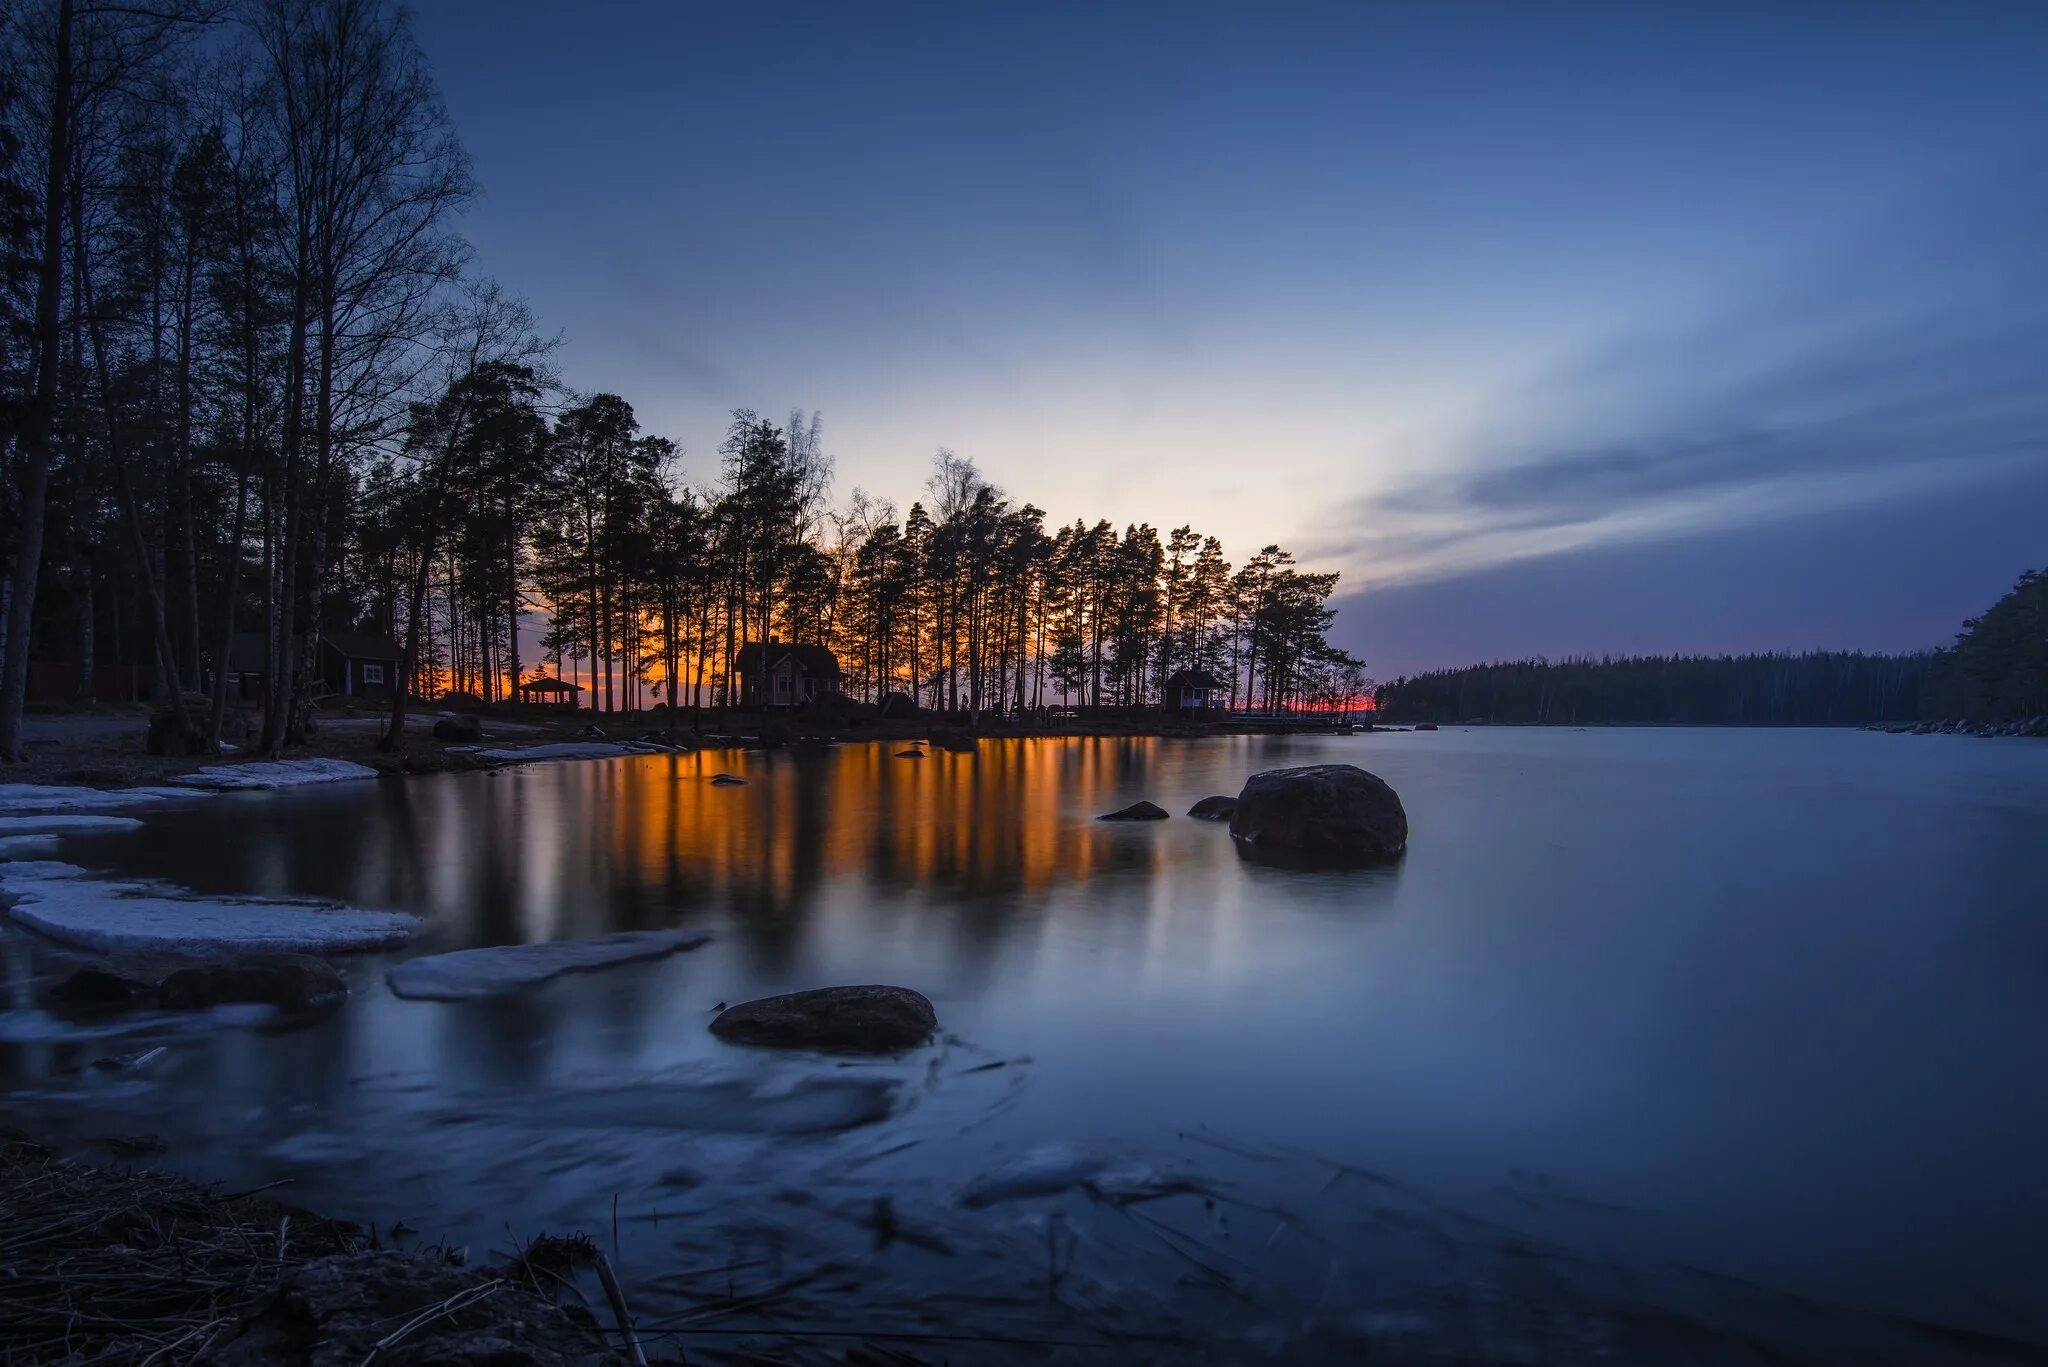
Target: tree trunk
{"x":41,"y":422}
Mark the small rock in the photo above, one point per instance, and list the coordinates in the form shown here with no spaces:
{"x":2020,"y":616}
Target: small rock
{"x":727,"y":781}
{"x":458,"y":728}
{"x":1213,"y":809}
{"x":872,"y":1019}
{"x":910,"y":754}
{"x":1425,"y":726}
{"x":295,"y":982}
{"x":592,"y":733}
{"x":1137,"y":811}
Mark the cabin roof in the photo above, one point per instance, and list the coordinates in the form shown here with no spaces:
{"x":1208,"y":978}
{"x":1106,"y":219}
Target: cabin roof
{"x":1193,"y":678}
{"x":813,"y":659}
{"x":361,"y":645}
{"x":550,"y":685}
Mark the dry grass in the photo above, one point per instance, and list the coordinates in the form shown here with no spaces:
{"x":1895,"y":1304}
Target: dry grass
{"x":115,"y":1265}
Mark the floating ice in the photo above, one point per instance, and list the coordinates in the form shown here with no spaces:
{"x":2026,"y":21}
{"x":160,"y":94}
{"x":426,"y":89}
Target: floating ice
{"x":51,"y":797}
{"x":1045,"y":1171}
{"x":64,"y":824}
{"x":568,"y":749}
{"x":277,"y":773}
{"x":38,"y":833}
{"x":146,"y":918}
{"x":468,"y":973}
{"x":813,"y":1104}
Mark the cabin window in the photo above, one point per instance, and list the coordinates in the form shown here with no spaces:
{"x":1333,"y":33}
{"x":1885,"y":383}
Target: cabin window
{"x":372,"y":674}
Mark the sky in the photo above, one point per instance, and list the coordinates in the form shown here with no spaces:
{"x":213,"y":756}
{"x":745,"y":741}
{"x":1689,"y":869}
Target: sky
{"x":1557,"y":329}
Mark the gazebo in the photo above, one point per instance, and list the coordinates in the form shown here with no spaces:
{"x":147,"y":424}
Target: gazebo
{"x":559,"y":692}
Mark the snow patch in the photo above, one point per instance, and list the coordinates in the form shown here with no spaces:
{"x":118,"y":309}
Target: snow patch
{"x":146,"y":918}
{"x":468,"y":973}
{"x":277,"y":773}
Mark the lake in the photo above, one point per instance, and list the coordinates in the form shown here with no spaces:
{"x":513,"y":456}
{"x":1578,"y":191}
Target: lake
{"x":1656,"y":1037}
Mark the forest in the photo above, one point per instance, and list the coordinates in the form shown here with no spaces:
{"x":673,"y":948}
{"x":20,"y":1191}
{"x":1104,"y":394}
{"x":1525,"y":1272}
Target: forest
{"x":254,"y":383}
{"x":1820,"y":688}
{"x":1997,"y":671}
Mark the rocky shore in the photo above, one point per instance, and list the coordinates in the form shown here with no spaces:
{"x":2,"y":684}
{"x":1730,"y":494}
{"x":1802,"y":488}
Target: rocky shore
{"x":2031,"y":726}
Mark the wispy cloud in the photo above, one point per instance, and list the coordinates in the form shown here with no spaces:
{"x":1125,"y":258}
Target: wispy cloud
{"x":1912,"y":356}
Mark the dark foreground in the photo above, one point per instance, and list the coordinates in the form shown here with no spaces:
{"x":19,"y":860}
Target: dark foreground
{"x":112,"y":1265}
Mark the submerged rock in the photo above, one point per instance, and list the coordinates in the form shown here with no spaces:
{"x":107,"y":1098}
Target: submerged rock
{"x":99,"y":987}
{"x":727,"y":781}
{"x":870,"y":1019}
{"x":1425,"y":726}
{"x":910,"y":754}
{"x":955,"y":738}
{"x":1213,"y":809}
{"x":1137,"y":811}
{"x":295,"y":982}
{"x":1322,"y":813}
{"x":458,"y":728}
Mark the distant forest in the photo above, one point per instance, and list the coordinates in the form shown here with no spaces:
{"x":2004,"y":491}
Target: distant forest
{"x":1996,"y":672}
{"x":1823,"y":688}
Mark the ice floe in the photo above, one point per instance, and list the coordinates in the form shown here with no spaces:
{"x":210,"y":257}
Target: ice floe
{"x":147,"y":918}
{"x":52,"y":797}
{"x":37,"y":833}
{"x":277,"y":773}
{"x":568,"y":749}
{"x":467,"y":973}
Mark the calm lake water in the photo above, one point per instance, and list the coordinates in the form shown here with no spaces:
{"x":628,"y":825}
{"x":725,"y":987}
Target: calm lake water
{"x":1651,"y":1029}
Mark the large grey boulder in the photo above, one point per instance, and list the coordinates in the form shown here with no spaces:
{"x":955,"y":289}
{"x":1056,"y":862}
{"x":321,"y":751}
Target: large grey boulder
{"x":871,"y":1019}
{"x":1323,"y":814}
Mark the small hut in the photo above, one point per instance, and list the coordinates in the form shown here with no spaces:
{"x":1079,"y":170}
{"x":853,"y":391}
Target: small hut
{"x":1193,"y":690}
{"x":551,"y":692}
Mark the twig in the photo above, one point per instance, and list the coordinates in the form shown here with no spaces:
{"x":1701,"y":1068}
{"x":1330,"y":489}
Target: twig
{"x":619,"y":1312}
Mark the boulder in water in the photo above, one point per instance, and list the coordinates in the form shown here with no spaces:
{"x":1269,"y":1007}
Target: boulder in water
{"x":1137,"y":811}
{"x":910,"y":754}
{"x":99,"y":987}
{"x":1213,"y":809}
{"x":727,"y":781}
{"x":955,"y":738}
{"x":1425,"y":726}
{"x":1323,"y":813}
{"x":295,"y":982}
{"x":870,"y":1019}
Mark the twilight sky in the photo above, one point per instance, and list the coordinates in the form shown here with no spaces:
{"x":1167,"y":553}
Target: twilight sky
{"x":1557,"y":328}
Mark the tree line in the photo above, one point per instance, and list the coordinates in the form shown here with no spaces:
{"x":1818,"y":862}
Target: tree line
{"x":1997,"y":671}
{"x":251,"y":384}
{"x":1819,"y":688}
